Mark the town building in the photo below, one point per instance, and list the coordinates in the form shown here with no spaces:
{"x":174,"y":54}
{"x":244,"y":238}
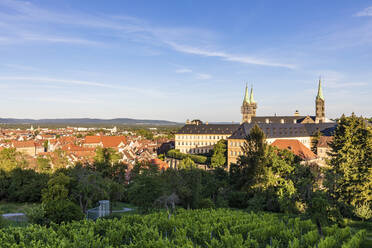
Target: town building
{"x":274,"y":132}
{"x":197,"y":138}
{"x":200,"y":138}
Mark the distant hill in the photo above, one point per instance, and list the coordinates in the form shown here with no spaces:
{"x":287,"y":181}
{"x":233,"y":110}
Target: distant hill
{"x":117,"y":121}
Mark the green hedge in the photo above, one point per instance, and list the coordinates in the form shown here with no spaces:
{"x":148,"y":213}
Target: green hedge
{"x":196,"y":158}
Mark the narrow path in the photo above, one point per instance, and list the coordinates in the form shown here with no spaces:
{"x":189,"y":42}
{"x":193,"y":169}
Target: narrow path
{"x":15,"y":216}
{"x":123,"y":210}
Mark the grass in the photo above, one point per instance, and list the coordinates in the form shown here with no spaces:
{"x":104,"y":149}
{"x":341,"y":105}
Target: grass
{"x":12,"y":207}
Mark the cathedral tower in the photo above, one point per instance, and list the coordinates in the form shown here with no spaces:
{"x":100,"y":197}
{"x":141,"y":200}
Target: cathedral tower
{"x":249,"y":106}
{"x":319,"y":105}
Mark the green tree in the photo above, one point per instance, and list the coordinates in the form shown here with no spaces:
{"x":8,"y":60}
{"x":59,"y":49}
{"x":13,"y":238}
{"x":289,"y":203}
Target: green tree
{"x":107,"y":163}
{"x":186,"y":163}
{"x":145,"y":133}
{"x":46,"y":145}
{"x":219,"y":156}
{"x":315,"y":140}
{"x":350,"y":177}
{"x":87,"y":187}
{"x":106,"y":156}
{"x":58,"y":208}
{"x":251,"y":165}
{"x":144,"y":191}
{"x":265,"y":172}
{"x":11,"y":159}
{"x":25,"y":185}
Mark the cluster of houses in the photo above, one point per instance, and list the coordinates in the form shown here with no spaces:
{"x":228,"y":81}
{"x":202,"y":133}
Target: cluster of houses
{"x":77,"y":146}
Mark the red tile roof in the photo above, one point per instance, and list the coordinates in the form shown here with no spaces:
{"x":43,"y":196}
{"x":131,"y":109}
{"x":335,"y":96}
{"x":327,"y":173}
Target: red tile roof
{"x":295,"y":147}
{"x":324,"y":141}
{"x":113,"y":141}
{"x":107,"y":141}
{"x":75,"y":148}
{"x":22,"y":144}
{"x":92,"y":139}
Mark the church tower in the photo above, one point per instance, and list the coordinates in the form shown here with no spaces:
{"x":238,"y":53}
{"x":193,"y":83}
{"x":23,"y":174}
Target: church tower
{"x":319,"y":105}
{"x":249,"y":106}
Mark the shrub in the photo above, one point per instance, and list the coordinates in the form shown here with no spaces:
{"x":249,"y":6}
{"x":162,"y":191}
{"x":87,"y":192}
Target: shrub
{"x":206,"y":203}
{"x":59,"y":211}
{"x":221,"y":202}
{"x":199,"y":159}
{"x":257,"y":202}
{"x":37,"y":215}
{"x":363,"y":211}
{"x":238,"y":199}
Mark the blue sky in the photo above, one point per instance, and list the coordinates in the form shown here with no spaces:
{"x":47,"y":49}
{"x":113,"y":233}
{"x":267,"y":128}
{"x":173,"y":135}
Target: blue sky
{"x":179,"y":60}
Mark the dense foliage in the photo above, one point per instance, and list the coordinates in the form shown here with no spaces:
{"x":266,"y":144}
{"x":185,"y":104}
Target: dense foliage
{"x":219,"y":154}
{"x":20,"y":185}
{"x":197,"y":228}
{"x":199,"y":159}
{"x":350,"y":176}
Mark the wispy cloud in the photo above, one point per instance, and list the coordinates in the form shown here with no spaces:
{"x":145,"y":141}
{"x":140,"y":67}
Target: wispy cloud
{"x":56,"y":80}
{"x":114,"y":87}
{"x":203,"y":76}
{"x":227,"y":56}
{"x":64,"y":100}
{"x":183,"y":70}
{"x":54,"y":39}
{"x":21,"y":67}
{"x":337,"y":80}
{"x":122,"y":27}
{"x":365,"y":12}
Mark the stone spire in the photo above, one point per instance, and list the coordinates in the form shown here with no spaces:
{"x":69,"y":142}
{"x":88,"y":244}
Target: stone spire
{"x":319,"y":105}
{"x":251,"y":99}
{"x":249,"y":106}
{"x":246,"y":99}
{"x":320,"y":91}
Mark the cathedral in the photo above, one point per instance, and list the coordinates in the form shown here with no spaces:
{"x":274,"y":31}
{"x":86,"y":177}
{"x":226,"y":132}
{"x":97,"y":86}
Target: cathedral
{"x":249,"y":107}
{"x":197,"y":137}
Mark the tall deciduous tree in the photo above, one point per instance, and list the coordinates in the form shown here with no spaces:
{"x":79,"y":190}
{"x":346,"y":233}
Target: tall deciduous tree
{"x":350,"y":177}
{"x":58,"y":206}
{"x":219,"y":154}
{"x":186,"y":163}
